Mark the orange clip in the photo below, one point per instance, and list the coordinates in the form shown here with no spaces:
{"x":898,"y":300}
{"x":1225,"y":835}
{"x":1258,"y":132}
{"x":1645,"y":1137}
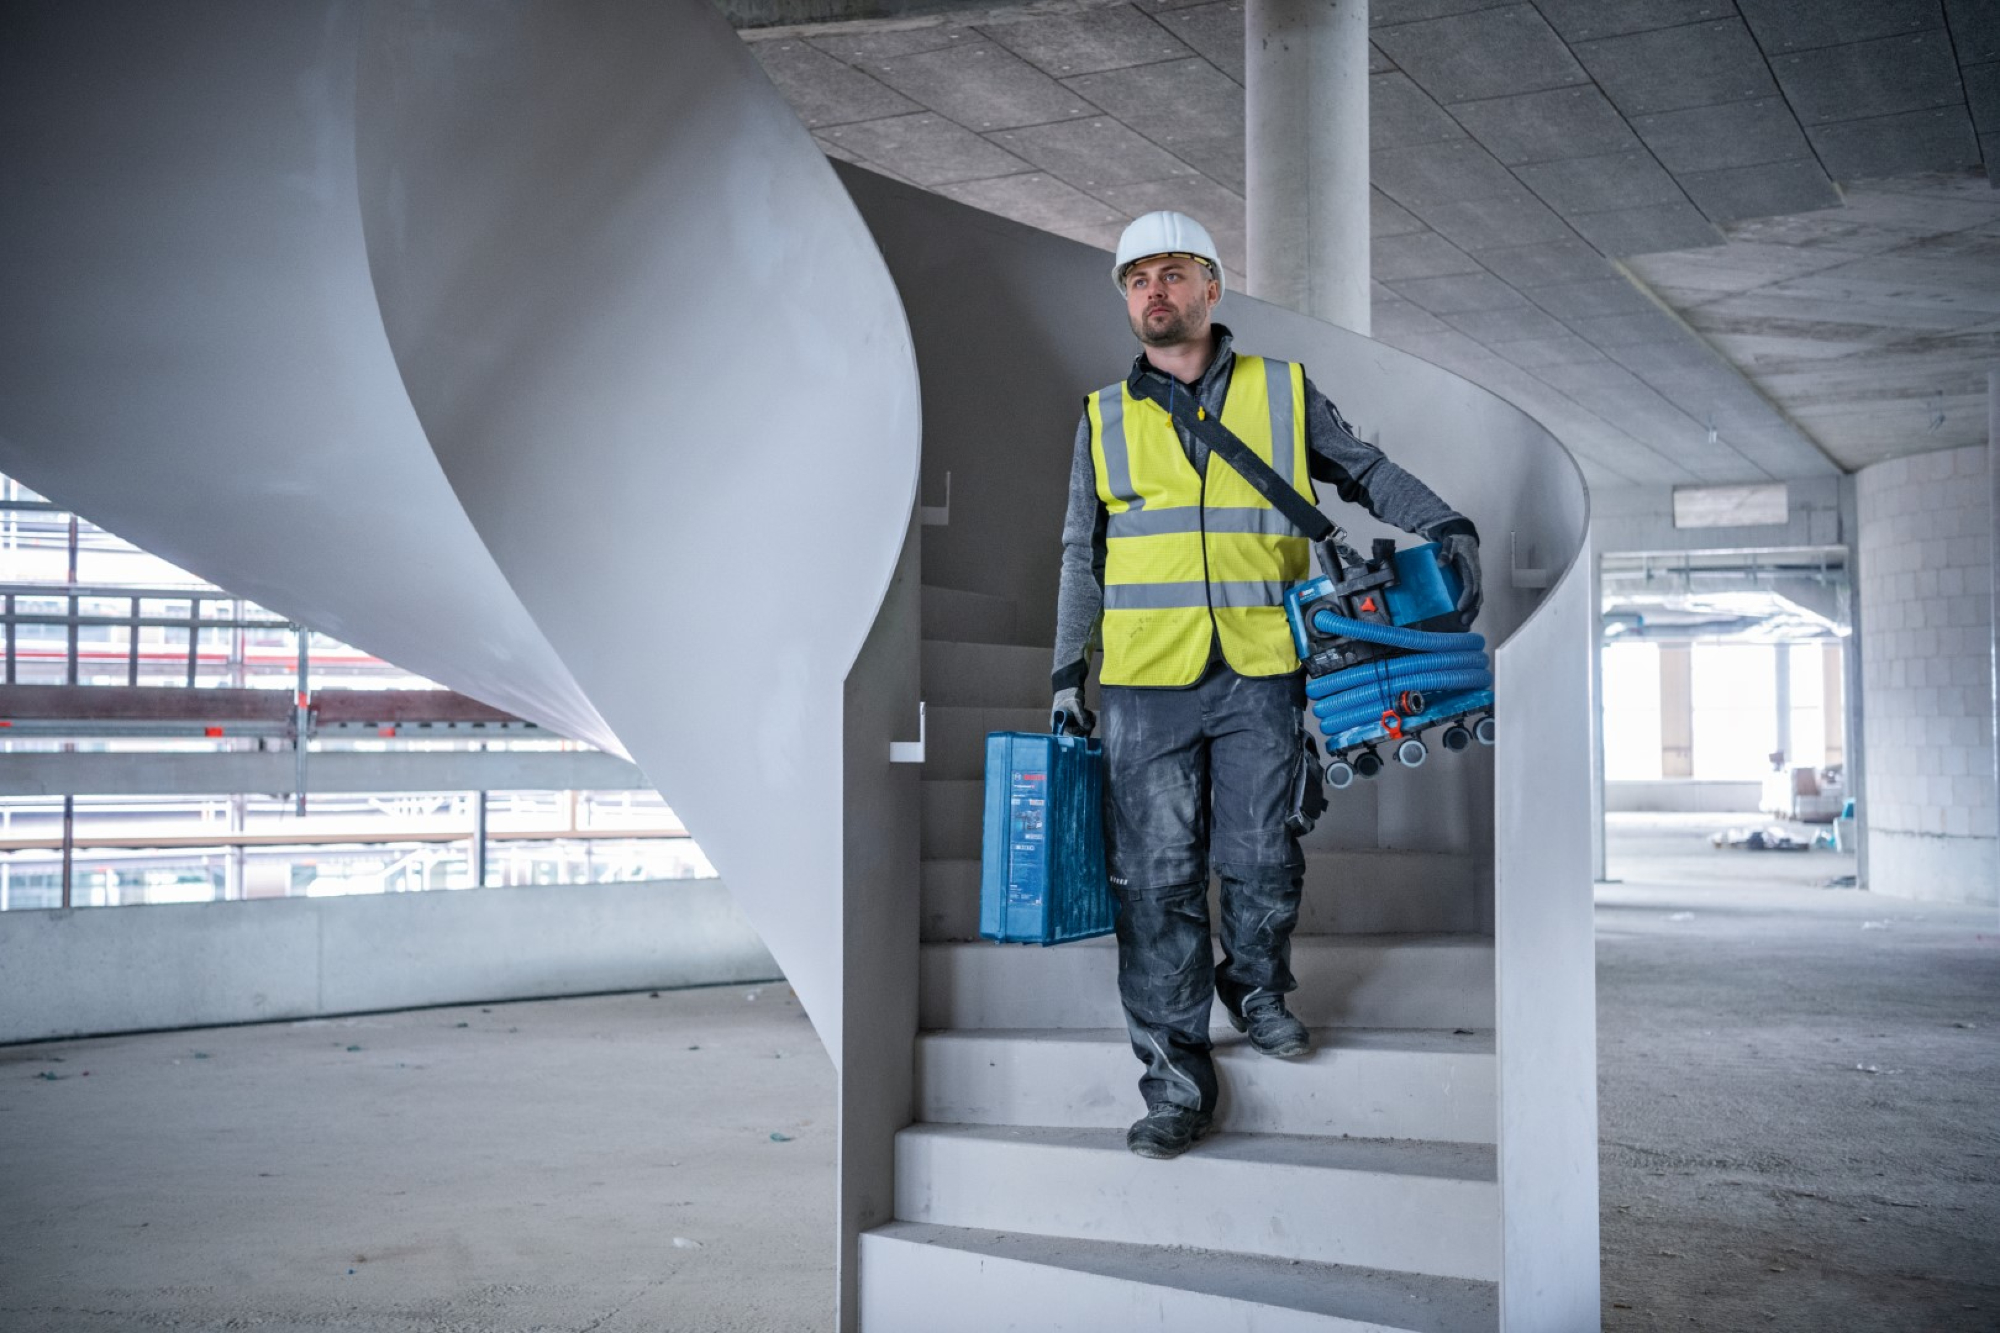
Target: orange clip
{"x":1392,"y":724}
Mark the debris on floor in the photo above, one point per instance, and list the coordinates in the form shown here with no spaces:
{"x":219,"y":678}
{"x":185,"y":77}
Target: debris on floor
{"x":1680,"y":916}
{"x":1770,"y":838}
{"x":776,"y":1137}
{"x":683,"y":1243}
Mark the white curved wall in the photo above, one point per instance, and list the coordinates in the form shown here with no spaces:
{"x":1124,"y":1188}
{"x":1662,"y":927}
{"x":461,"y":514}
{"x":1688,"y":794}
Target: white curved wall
{"x":532,"y":347}
{"x":191,"y":352}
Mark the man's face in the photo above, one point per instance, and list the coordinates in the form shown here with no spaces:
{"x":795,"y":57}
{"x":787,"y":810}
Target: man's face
{"x":1168,"y":299}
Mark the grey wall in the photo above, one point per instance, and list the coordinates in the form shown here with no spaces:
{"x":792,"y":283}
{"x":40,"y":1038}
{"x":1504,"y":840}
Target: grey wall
{"x":880,"y":850}
{"x":1641,"y":518}
{"x":1927,"y":550}
{"x":126,"y":969}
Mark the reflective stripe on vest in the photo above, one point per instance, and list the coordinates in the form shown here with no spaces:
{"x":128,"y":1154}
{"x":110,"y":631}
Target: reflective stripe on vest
{"x":1189,"y":559}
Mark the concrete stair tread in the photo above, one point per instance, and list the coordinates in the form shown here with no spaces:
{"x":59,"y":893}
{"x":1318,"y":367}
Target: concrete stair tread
{"x":1385,"y":1083}
{"x":1341,"y":1297}
{"x":1427,"y":980}
{"x":1430,"y":939}
{"x":957,"y":673}
{"x":1348,"y":891}
{"x":1473,"y":1163}
{"x":1231,"y":1043}
{"x":1408,"y":1205}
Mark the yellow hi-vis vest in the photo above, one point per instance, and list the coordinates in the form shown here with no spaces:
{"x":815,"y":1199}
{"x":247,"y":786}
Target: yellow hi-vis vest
{"x":1190,"y":558}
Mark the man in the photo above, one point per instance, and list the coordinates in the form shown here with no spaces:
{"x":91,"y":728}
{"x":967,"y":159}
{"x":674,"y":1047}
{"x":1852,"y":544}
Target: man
{"x":1184,"y":567}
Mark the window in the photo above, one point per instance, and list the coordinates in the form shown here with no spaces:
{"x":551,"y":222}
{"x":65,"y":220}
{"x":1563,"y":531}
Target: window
{"x":1631,"y":712}
{"x":1735,"y":709}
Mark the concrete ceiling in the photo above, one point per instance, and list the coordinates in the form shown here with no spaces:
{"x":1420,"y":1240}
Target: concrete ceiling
{"x":1701,"y":240}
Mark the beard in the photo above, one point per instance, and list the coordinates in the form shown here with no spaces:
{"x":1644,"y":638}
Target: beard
{"x":1180,"y":326}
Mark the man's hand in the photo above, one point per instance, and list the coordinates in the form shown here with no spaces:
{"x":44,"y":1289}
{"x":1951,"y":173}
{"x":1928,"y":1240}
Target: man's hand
{"x":1068,"y":716}
{"x":1461,"y":551}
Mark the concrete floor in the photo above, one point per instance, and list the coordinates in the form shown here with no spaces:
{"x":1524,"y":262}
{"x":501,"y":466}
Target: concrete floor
{"x":567,"y":1164}
{"x":1753,"y":1176}
{"x":533,"y":1169}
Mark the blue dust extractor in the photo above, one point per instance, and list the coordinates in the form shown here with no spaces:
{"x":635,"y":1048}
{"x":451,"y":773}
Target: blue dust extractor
{"x":1385,"y":660}
{"x":1042,"y":875}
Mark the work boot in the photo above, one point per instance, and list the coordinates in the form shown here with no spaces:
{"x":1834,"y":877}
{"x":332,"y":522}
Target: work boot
{"x":1167,"y":1131}
{"x":1272,"y":1029}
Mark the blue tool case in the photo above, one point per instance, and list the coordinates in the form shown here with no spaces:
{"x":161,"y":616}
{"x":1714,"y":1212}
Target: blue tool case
{"x":1042,"y":877}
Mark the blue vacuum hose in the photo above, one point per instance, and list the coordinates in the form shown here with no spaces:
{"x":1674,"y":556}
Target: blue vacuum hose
{"x":1437,"y":663}
{"x":1397,"y":636}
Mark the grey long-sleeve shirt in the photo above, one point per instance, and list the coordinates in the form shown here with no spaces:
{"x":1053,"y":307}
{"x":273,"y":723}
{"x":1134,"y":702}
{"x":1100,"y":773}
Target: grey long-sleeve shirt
{"x":1361,"y":474}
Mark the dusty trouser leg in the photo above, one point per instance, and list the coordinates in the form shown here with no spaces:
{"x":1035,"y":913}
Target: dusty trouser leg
{"x":1166,"y":978}
{"x":1155,"y":775}
{"x":1256,"y":733}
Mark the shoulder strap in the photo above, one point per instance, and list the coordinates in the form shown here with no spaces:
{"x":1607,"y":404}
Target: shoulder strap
{"x":1191,"y":417}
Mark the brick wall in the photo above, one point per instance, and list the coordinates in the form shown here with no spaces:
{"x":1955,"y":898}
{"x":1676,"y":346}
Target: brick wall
{"x":1926,"y":556}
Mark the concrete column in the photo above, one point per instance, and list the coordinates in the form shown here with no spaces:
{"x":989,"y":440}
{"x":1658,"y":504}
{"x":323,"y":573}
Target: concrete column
{"x":1833,"y":704}
{"x":1993,"y":552}
{"x":1600,"y":868}
{"x":1855,"y":756}
{"x":1306,"y":104}
{"x":1782,"y":664}
{"x":1676,"y":710}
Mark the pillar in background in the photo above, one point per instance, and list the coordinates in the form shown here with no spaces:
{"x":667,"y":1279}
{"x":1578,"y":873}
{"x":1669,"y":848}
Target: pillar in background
{"x":1676,"y":710}
{"x":1925,"y":528}
{"x":1833,"y":704}
{"x":1782,"y":659}
{"x":1306,"y":150}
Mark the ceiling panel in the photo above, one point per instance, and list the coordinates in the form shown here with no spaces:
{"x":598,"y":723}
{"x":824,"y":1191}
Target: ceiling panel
{"x":1566,"y":260}
{"x":1424,"y":175}
{"x":1089,"y":153}
{"x":1640,"y":231}
{"x":1545,"y":126}
{"x":981,"y":85}
{"x":1864,"y":79}
{"x":1423,"y":254}
{"x":1585,"y":20}
{"x":1515,"y":218}
{"x":1700,"y":64}
{"x":1975,"y":29}
{"x":1797,"y":25}
{"x":826,"y":91}
{"x":1212,"y":31}
{"x":1728,"y":134}
{"x":1457,"y":292}
{"x":1506,"y":174}
{"x":1085,"y":43}
{"x":1401,"y":114}
{"x":1490,"y":53}
{"x":1602,"y":184}
{"x":1735,"y":193}
{"x":1936,"y":140}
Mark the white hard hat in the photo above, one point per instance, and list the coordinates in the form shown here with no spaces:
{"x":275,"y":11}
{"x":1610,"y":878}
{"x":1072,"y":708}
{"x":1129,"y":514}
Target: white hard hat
{"x":1163,"y":233}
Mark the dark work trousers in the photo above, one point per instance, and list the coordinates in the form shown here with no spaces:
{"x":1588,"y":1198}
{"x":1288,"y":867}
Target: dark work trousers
{"x":1199,"y":779}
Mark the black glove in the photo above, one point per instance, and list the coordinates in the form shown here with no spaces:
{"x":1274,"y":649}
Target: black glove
{"x":1461,"y":551}
{"x":1068,"y":716}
